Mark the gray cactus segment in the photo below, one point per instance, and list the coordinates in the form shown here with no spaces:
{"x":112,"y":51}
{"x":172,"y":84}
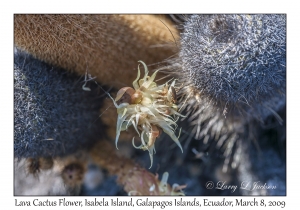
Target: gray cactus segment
{"x":233,"y":71}
{"x":52,"y":114}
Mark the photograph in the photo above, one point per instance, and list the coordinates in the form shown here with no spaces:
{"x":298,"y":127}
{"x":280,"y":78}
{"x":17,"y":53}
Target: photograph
{"x":149,"y":105}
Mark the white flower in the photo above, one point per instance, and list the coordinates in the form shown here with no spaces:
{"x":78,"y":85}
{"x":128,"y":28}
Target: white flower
{"x":149,"y":108}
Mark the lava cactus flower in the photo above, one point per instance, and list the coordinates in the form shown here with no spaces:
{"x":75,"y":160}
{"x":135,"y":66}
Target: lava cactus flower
{"x":149,"y":108}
